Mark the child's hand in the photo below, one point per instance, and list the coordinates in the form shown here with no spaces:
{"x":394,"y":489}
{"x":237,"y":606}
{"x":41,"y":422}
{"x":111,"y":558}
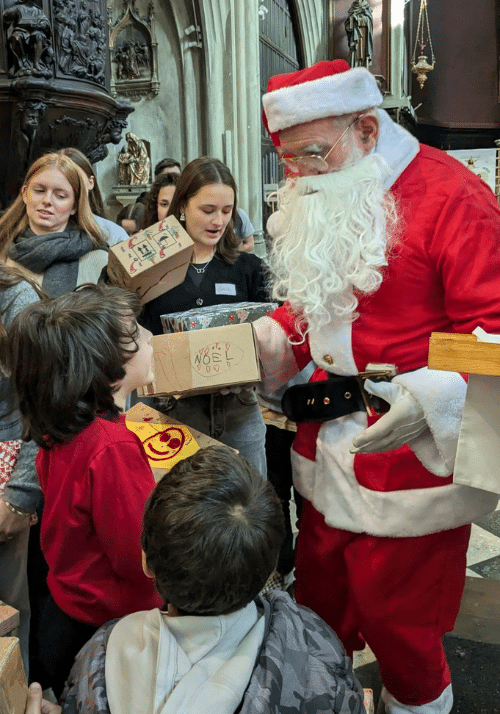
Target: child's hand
{"x":37,"y":705}
{"x":10,"y":523}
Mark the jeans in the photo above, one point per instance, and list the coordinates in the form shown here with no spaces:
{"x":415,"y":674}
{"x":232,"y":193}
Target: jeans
{"x":232,"y":419}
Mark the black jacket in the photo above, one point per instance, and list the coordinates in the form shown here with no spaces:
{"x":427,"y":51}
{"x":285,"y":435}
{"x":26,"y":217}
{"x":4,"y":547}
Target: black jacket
{"x":222,"y":284}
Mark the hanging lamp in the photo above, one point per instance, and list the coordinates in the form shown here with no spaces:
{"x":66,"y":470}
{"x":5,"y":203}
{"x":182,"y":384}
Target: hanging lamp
{"x":421,"y":66}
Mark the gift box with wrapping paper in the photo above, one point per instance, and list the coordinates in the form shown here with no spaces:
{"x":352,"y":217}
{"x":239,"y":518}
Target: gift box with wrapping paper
{"x":216,"y":315}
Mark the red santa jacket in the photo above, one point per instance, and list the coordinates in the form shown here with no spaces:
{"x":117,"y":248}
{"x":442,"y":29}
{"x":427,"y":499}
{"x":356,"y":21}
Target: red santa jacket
{"x":443,"y":275}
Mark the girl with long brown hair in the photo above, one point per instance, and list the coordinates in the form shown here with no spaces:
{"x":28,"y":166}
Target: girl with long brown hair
{"x":205,"y":204}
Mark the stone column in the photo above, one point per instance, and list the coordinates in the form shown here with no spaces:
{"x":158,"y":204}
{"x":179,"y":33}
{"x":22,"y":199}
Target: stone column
{"x":231,"y":37}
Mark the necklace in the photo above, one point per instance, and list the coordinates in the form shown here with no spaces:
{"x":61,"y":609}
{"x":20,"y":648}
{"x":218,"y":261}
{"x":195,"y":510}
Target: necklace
{"x":200,"y":270}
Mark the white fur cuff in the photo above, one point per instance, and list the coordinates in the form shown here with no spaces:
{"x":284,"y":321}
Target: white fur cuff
{"x":277,"y":361}
{"x":442,"y":397}
{"x":334,"y":95}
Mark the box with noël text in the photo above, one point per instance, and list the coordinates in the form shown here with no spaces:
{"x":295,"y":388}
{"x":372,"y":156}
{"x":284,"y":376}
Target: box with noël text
{"x":204,"y":361}
{"x":153,"y":261}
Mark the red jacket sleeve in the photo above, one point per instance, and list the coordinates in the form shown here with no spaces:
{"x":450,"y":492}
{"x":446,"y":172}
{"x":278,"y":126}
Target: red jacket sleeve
{"x":466,"y":248}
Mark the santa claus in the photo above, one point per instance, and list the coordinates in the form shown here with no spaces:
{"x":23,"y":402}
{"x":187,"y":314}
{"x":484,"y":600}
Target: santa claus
{"x":378,"y":241}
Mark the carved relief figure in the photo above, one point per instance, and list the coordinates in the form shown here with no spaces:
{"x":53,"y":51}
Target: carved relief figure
{"x":65,"y":30}
{"x":80,"y":40}
{"x":111,"y":133}
{"x":133,"y":162}
{"x":130,"y":56}
{"x":134,"y":52}
{"x":23,"y":141}
{"x":29,"y":39}
{"x":359,"y":29}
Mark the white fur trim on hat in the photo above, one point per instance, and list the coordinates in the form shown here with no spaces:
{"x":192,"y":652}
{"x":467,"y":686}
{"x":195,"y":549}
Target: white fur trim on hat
{"x":334,"y":95}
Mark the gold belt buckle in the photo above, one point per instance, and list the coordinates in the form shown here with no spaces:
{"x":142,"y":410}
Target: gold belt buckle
{"x":377,"y":373}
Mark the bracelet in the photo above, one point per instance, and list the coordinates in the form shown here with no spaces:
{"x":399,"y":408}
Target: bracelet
{"x":15,"y":510}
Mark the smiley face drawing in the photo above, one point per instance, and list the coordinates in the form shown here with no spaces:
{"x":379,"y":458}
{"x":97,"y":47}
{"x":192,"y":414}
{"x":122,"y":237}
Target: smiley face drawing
{"x":164,"y":444}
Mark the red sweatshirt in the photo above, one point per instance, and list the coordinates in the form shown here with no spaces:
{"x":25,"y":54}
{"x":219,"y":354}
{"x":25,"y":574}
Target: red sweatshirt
{"x":95,"y":489}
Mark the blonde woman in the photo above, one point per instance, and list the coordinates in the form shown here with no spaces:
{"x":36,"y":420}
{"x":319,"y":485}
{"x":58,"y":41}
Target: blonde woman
{"x":50,"y":230}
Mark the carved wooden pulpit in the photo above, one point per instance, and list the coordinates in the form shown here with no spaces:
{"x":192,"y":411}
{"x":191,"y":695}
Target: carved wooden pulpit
{"x":54,"y":85}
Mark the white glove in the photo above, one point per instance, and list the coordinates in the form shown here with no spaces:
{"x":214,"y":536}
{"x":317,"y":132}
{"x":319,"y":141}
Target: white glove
{"x":403,"y":422}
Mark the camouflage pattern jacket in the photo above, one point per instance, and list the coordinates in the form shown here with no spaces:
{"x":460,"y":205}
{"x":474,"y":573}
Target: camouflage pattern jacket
{"x":301,"y":667}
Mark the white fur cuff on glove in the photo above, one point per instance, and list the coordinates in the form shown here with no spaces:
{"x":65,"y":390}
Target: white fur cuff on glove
{"x":442,"y":397}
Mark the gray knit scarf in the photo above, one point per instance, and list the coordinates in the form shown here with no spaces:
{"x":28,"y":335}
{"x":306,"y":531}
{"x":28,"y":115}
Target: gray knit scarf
{"x":55,"y":255}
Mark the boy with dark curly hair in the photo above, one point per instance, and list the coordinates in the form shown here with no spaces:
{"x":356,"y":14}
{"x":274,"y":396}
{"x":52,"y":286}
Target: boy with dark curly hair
{"x":74,"y":359}
{"x":211,"y":537}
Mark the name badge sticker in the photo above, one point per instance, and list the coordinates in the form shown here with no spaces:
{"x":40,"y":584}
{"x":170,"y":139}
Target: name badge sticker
{"x":225,"y":289}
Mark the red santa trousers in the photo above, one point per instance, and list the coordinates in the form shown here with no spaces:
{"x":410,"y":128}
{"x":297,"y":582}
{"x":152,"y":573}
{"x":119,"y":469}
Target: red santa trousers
{"x":400,"y":595}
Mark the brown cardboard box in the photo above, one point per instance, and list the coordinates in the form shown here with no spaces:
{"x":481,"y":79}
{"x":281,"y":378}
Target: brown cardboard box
{"x":13,"y":686}
{"x":153,"y":261}
{"x":203,"y":361}
{"x":142,"y":413}
{"x":9,"y":619}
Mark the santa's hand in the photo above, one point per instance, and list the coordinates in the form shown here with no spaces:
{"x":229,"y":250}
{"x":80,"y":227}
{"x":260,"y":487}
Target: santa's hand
{"x":403,"y":422}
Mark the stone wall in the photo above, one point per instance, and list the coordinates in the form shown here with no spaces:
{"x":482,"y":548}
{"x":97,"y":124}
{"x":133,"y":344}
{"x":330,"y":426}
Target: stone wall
{"x":209,"y":96}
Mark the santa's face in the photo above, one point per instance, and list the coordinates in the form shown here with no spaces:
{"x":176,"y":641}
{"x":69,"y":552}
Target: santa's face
{"x":332,"y":140}
{"x":330,"y":237}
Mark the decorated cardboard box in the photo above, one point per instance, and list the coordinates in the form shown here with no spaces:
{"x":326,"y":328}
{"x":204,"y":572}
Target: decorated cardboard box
{"x":216,"y":315}
{"x":203,"y":361}
{"x":166,"y":441}
{"x":9,"y":620}
{"x":153,"y":261}
{"x":13,"y":686}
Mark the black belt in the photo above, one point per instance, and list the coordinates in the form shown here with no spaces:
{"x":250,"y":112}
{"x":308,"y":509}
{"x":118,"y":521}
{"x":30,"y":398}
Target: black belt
{"x":329,"y":399}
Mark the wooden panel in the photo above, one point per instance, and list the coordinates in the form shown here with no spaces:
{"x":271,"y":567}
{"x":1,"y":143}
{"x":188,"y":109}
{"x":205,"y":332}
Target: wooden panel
{"x":479,"y":616}
{"x":463,"y":353}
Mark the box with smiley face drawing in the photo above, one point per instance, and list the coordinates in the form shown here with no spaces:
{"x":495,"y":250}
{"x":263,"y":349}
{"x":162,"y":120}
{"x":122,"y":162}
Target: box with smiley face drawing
{"x":165,"y":440}
{"x":204,"y":361}
{"x":153,"y":261}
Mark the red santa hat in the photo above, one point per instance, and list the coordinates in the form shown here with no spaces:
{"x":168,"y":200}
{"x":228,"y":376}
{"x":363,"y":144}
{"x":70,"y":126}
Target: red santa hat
{"x":324,"y":90}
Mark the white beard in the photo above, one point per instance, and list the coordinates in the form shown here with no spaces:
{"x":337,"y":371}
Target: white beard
{"x":329,"y":238}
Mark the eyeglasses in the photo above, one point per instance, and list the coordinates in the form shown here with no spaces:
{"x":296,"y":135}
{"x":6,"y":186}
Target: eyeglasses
{"x":313,"y":162}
